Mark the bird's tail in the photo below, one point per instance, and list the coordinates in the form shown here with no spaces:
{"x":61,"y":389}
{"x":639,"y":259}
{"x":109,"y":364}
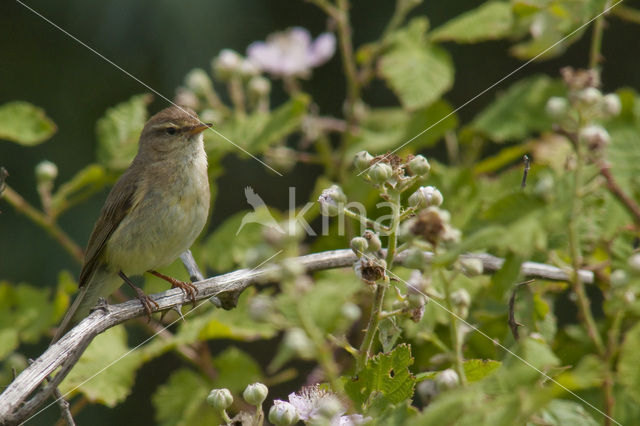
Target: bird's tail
{"x":101,"y":284}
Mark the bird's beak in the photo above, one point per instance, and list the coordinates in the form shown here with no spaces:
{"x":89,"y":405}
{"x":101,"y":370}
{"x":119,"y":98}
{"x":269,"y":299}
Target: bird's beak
{"x":199,"y":128}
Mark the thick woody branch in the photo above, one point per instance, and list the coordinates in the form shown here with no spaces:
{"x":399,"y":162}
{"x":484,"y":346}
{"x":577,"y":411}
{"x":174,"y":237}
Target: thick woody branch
{"x":30,"y":389}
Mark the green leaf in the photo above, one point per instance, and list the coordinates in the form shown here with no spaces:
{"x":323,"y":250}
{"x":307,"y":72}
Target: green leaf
{"x":108,"y":352}
{"x":505,"y":279}
{"x":519,"y":111}
{"x":24,"y":123}
{"x":118,"y":132}
{"x":478,"y":369}
{"x":181,"y":401}
{"x":561,"y":412}
{"x":282,"y":122}
{"x":387,"y":374}
{"x":236,"y":369}
{"x":418,"y":72}
{"x":489,"y":21}
{"x":628,"y":371}
{"x":81,"y":186}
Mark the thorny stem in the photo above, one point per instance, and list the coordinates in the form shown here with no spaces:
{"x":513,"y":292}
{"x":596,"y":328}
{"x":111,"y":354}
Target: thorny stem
{"x":45,"y":222}
{"x":576,"y":255}
{"x":378,"y":299}
{"x":453,"y":329}
{"x":596,"y":40}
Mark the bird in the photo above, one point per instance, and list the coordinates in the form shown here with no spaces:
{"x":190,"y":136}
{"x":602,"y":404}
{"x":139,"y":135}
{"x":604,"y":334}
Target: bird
{"x":153,"y":213}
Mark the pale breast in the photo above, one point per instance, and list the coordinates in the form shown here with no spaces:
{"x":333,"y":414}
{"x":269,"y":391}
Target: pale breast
{"x":165,"y":221}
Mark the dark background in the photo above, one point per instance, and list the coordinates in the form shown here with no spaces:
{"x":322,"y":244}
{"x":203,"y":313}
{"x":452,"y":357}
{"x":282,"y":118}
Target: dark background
{"x":159,"y":42}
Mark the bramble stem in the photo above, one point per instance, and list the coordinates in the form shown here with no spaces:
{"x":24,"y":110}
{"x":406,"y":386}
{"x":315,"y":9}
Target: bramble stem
{"x":453,"y":329}
{"x":369,"y":222}
{"x":596,"y":40}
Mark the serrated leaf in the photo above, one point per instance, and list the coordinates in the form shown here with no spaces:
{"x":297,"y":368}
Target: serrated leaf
{"x":519,"y":111}
{"x":387,"y":374}
{"x":628,"y":371}
{"x":478,"y":369}
{"x":236,"y":369}
{"x":181,"y":401}
{"x":118,"y":132}
{"x":110,"y":387}
{"x":25,"y":124}
{"x":489,"y":21}
{"x":418,"y":72}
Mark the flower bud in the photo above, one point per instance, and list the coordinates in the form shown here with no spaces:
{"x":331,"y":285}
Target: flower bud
{"x":611,"y":105}
{"x":589,"y":96}
{"x":595,"y":136}
{"x":259,"y":86}
{"x":415,"y":259}
{"x":220,"y":399}
{"x":373,"y":241}
{"x":46,"y":171}
{"x":248,"y":69}
{"x":362,"y":160}
{"x":227,"y":63}
{"x":425,"y":196}
{"x":260,"y":308}
{"x":282,"y":413}
{"x":359,"y":245}
{"x":461,"y":298}
{"x":332,"y":200}
{"x":447,"y":379}
{"x":255,"y":394}
{"x":629,"y":296}
{"x":634,"y":262}
{"x":296,"y":340}
{"x":618,"y":278}
{"x":379,"y":173}
{"x":471,"y":267}
{"x":351,"y":311}
{"x":198,"y":81}
{"x":419,"y":165}
{"x":556,"y":107}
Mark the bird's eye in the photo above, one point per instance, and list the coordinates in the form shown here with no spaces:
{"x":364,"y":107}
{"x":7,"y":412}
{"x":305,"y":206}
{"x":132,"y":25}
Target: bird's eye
{"x":171,"y":130}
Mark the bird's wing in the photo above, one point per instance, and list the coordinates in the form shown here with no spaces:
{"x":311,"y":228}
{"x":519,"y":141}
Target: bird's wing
{"x":116,"y":207}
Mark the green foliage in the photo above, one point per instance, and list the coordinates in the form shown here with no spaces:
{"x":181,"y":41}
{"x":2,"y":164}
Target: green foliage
{"x":387,"y":374}
{"x":491,"y":20}
{"x":25,"y":124}
{"x":119,"y":130}
{"x":628,"y":373}
{"x":417,"y":71}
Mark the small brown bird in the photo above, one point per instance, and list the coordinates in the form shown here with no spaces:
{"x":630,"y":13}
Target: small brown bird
{"x":153,"y":213}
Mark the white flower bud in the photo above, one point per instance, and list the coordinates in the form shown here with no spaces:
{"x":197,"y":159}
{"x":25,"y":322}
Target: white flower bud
{"x":362,"y":160}
{"x":351,"y":311}
{"x":447,"y":379}
{"x":425,"y":196}
{"x":260,"y":308}
{"x":461,"y":298}
{"x":380,"y":172}
{"x":611,"y":105}
{"x":634,"y":262}
{"x":255,"y":394}
{"x":419,"y":165}
{"x":332,"y":200}
{"x":296,"y":340}
{"x":259,"y":86}
{"x":220,"y":399}
{"x":198,"y":81}
{"x":629,"y":296}
{"x":471,"y":267}
{"x":46,"y":171}
{"x":618,"y":278}
{"x":589,"y":96}
{"x":556,"y":107}
{"x":359,"y":245}
{"x":248,"y":69}
{"x":595,"y":136}
{"x":228,"y":62}
{"x":282,"y":413}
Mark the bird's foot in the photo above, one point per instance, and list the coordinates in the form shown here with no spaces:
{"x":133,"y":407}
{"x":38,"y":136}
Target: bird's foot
{"x":189,"y":289}
{"x":147,"y":303}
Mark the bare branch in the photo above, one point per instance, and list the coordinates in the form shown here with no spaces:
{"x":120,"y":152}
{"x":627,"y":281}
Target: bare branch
{"x":23,"y":397}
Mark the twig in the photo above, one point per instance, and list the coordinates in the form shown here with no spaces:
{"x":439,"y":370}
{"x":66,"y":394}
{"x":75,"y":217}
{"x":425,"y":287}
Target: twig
{"x":527,"y":166}
{"x":615,"y":189}
{"x":513,"y":324}
{"x":15,"y":405}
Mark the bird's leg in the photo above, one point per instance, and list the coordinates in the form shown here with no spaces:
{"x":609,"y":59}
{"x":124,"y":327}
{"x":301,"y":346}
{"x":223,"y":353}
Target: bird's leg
{"x":188,"y":288}
{"x":143,"y":298}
